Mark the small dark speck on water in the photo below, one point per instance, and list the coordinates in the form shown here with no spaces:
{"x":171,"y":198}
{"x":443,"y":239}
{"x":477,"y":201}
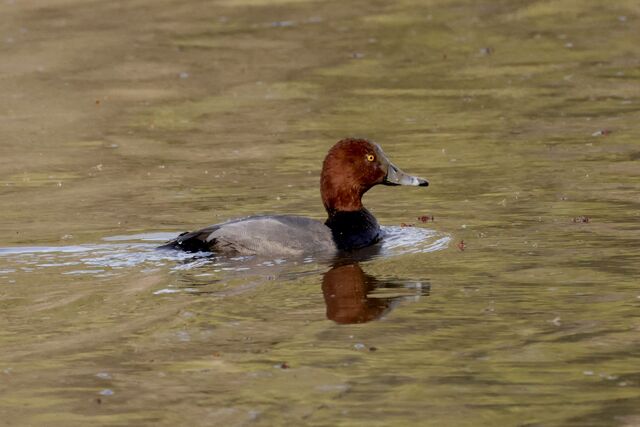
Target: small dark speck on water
{"x":426,"y":218}
{"x":461,"y":245}
{"x":582,"y":219}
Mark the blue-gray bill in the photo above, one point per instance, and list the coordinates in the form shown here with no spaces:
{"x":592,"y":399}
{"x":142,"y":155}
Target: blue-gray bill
{"x":395,"y":176}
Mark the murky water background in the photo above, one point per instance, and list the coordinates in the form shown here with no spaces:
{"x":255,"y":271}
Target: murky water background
{"x":123,"y":123}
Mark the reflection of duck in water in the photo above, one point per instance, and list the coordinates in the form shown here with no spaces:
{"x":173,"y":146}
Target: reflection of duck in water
{"x":346,"y":290}
{"x":350,"y":295}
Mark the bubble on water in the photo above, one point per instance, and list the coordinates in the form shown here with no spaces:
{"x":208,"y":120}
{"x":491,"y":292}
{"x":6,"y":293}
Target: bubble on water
{"x":167,"y":291}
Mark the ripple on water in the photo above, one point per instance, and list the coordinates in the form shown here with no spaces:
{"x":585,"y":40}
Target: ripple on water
{"x":122,"y":253}
{"x":411,"y":240}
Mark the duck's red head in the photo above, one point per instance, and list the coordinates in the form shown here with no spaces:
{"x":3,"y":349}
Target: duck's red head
{"x":352,"y":167}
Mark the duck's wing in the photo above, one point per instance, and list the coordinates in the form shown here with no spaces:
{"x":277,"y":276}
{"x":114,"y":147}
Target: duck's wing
{"x":259,"y":235}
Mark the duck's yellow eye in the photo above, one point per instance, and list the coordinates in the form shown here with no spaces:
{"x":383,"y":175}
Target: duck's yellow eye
{"x":370,"y":157}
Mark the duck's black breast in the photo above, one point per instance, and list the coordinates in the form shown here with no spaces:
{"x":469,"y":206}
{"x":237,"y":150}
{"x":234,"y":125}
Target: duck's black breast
{"x":353,"y":229}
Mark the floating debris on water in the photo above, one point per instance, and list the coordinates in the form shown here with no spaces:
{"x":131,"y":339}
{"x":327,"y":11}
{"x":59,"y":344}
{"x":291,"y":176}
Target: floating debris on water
{"x":283,"y":365}
{"x":582,"y":219}
{"x":426,"y":218}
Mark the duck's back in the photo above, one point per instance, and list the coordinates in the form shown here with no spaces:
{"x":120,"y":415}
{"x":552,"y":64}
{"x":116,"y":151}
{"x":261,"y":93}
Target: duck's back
{"x":260,"y":235}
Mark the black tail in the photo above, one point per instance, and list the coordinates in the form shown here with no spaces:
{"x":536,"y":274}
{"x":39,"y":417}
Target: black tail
{"x":194,"y":241}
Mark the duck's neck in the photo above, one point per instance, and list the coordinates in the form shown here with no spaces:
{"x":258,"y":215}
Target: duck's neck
{"x":352,"y":226}
{"x":344,"y":198}
{"x":353,"y":229}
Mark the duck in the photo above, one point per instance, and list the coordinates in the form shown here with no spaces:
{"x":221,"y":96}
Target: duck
{"x":351,"y":168}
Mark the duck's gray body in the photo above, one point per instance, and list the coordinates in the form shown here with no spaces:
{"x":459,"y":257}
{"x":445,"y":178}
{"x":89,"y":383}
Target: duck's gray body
{"x":287,"y":235}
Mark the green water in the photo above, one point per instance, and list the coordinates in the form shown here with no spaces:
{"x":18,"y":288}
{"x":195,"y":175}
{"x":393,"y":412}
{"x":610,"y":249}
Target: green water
{"x":123,"y":123}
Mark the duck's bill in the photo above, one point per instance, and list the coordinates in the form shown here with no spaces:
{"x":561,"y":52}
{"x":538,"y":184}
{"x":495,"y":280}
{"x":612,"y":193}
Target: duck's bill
{"x":395,"y":176}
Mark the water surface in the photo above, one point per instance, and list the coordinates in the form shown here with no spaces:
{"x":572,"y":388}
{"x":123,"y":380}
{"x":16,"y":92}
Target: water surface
{"x":124,"y":123}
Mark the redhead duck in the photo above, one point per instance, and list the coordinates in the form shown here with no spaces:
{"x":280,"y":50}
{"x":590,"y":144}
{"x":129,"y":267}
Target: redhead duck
{"x":349,"y":170}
